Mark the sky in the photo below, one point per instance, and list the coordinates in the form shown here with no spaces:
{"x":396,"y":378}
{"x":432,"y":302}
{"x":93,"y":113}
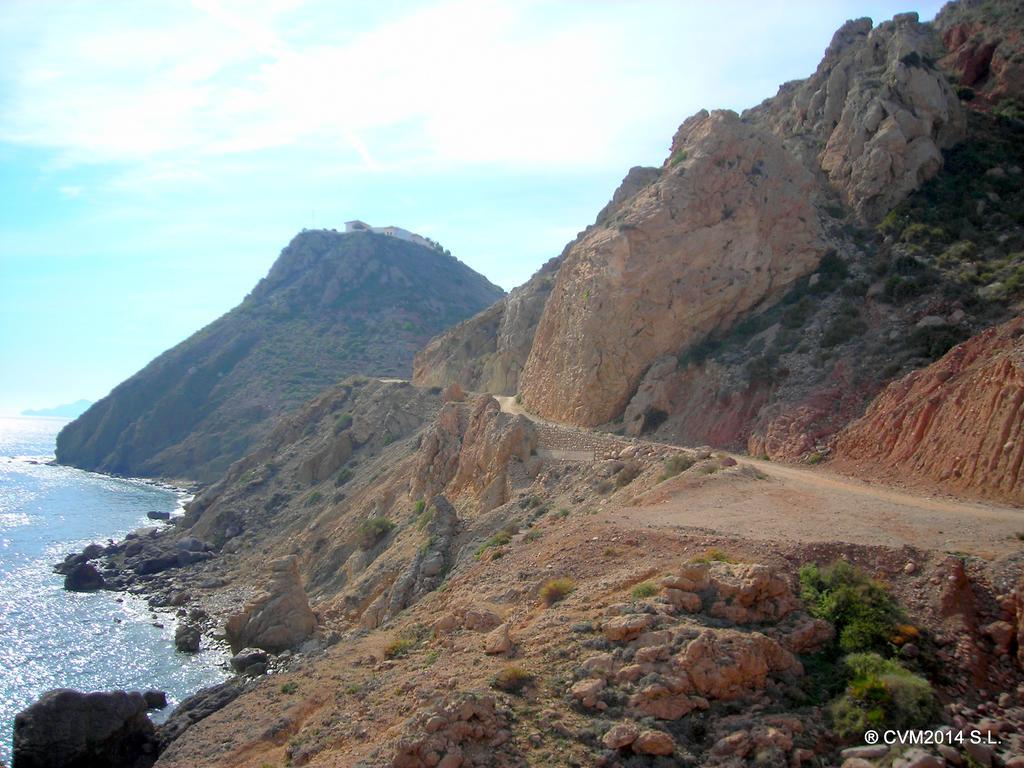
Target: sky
{"x":155,"y":157}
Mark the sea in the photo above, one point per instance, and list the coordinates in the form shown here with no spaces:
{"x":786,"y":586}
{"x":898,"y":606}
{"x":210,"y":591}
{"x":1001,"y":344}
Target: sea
{"x":50,"y":638}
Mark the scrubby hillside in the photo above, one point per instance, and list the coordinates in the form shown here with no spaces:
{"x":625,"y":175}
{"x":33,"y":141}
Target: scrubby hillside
{"x":487,"y":590}
{"x":331,"y":306}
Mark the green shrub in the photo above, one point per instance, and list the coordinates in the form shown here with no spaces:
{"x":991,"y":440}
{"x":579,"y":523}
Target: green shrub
{"x":923,"y":234}
{"x":697,"y":353}
{"x":500,"y":539}
{"x":343,"y":477}
{"x":881,"y":693}
{"x":864,"y":614}
{"x":964,"y":93}
{"x":713,"y":555}
{"x":1009,"y":109}
{"x":555,"y":590}
{"x":644,"y":589}
{"x":400,"y":646}
{"x":675,"y":465}
{"x":677,"y":158}
{"x":372,"y":530}
{"x":933,"y":341}
{"x":957,"y":253}
{"x":815,"y":457}
{"x":313,"y":498}
{"x":797,"y":314}
{"x":289,"y":687}
{"x":512,"y":679}
{"x":407,"y":640}
{"x":842,"y":330}
{"x":342,"y":422}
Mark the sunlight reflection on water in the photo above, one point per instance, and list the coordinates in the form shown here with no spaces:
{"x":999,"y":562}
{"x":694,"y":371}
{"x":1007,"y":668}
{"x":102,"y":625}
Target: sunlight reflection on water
{"x":50,"y":638}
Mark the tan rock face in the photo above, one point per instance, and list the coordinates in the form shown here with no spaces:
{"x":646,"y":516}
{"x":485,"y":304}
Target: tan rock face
{"x":471,"y":450}
{"x":959,"y":422}
{"x":488,"y":351}
{"x":278,"y":618}
{"x":881,"y":111}
{"x":727,"y":225}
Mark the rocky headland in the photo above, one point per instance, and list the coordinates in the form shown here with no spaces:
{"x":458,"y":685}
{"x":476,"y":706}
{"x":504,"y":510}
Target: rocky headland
{"x":333,"y":304}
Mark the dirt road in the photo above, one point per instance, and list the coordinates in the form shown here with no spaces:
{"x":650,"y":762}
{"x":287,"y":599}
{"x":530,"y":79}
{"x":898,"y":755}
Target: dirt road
{"x":812,"y":504}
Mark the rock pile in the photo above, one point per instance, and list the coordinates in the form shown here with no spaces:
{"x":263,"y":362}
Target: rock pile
{"x":466,"y":731}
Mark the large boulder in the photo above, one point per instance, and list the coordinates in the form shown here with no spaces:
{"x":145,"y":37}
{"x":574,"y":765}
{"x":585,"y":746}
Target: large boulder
{"x":279,"y":617}
{"x":70,"y":729}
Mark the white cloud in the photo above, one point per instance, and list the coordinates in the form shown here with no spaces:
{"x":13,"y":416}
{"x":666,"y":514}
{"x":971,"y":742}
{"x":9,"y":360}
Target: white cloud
{"x":459,"y":81}
{"x":523,"y":84}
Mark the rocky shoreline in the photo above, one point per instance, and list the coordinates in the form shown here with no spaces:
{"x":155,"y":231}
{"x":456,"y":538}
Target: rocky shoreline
{"x":184,"y":577}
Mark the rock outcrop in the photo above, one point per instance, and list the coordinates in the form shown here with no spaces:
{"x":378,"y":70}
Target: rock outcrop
{"x":958,"y":422}
{"x":727,"y":226}
{"x":332,"y":305}
{"x":277,"y":619}
{"x":69,"y":729}
{"x":877,"y":108}
{"x":471,"y":450}
{"x":675,"y":666}
{"x":488,"y":351}
{"x":427,"y":570}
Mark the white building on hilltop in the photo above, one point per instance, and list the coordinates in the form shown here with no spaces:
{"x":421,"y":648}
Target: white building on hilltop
{"x":402,"y":234}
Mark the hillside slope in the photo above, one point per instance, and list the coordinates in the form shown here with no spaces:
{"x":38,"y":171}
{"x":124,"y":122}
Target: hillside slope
{"x":764,"y":284}
{"x":332,"y":305}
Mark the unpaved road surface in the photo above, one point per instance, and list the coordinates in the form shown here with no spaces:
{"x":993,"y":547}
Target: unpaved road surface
{"x":812,"y":504}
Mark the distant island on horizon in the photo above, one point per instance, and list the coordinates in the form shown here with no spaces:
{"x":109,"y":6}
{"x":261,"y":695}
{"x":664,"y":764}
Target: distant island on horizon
{"x":68,"y":410}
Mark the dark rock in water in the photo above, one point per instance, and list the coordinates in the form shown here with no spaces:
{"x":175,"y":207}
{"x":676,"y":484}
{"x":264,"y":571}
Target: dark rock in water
{"x":154,"y":515}
{"x":92,"y":551}
{"x":73,"y":560}
{"x":70,"y":729}
{"x":247,"y":658}
{"x":187,"y":638}
{"x":199,"y":706}
{"x":155,"y":699}
{"x":84,"y":578}
{"x":132,"y":548}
